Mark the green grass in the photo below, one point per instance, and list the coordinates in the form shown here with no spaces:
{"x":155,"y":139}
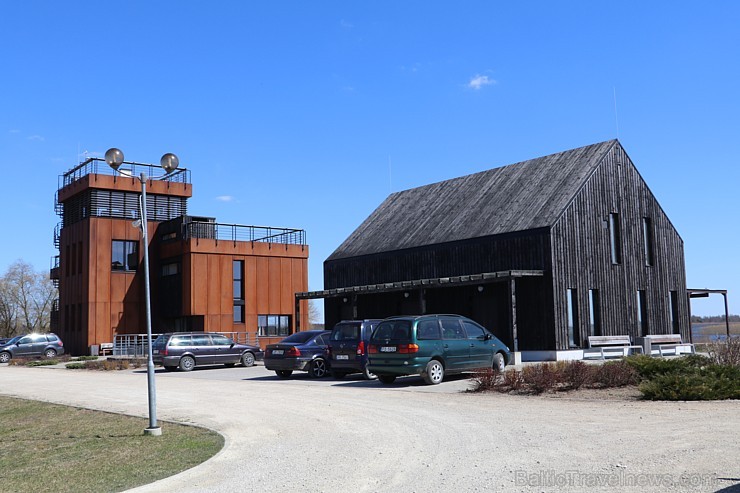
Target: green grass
{"x":48,"y":447}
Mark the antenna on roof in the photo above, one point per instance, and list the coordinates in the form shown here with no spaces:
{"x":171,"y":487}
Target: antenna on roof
{"x":616,"y":116}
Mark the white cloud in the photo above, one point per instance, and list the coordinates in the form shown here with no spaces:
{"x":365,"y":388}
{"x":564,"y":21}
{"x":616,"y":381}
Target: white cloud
{"x":37,"y":138}
{"x":479,"y":81}
{"x":225,"y":198}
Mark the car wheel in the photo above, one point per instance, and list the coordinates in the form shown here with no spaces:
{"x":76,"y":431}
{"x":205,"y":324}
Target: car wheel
{"x":248,"y":359}
{"x":317,"y":368}
{"x":50,"y":353}
{"x":499,"y":363}
{"x":387,"y":378}
{"x":434,"y":372}
{"x":337,"y":375}
{"x":284,"y":373}
{"x":187,"y":363}
{"x":367,"y":374}
{"x":4,"y":357}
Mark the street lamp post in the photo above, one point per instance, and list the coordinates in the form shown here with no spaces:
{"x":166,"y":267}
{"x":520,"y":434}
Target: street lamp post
{"x":169,"y":162}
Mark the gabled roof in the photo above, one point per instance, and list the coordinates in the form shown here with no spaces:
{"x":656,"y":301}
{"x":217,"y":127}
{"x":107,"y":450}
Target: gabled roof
{"x":522,"y":196}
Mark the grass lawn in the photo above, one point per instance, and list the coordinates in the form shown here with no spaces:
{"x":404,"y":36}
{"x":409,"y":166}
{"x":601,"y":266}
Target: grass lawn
{"x":48,"y":447}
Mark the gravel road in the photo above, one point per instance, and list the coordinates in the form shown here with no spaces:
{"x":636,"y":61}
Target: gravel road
{"x":353,"y":435}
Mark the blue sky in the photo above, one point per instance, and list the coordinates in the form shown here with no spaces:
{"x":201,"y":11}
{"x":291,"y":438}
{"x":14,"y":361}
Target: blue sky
{"x":307,"y":114}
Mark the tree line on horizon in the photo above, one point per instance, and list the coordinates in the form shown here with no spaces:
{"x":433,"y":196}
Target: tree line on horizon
{"x":695,"y":319}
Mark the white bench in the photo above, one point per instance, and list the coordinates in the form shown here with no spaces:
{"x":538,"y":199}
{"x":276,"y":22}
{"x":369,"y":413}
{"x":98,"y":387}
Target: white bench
{"x":610,"y":346}
{"x":670,"y":342}
{"x":106,"y":348}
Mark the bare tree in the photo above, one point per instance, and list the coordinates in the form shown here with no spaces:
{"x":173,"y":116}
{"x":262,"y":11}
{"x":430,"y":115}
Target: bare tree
{"x":26,"y":298}
{"x":315,"y":316}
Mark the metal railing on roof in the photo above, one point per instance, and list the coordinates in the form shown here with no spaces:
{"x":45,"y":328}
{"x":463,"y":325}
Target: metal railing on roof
{"x":96,"y":165}
{"x":238,"y":232}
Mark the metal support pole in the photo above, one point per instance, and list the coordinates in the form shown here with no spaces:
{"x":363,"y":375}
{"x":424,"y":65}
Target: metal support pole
{"x":153,"y":428}
{"x":727,"y":316}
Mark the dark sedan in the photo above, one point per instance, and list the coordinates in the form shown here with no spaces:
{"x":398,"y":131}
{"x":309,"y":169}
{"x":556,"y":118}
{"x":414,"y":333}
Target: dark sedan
{"x":186,"y":350}
{"x":302,"y":351}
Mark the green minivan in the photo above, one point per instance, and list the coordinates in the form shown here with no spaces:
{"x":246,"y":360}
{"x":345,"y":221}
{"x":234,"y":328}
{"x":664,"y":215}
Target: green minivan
{"x":431,"y":346}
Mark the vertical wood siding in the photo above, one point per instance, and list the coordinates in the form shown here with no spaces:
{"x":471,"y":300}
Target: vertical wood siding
{"x":582,"y":255}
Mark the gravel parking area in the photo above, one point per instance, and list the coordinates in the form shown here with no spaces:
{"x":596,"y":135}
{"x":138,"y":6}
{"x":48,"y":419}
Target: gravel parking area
{"x":354,"y":435}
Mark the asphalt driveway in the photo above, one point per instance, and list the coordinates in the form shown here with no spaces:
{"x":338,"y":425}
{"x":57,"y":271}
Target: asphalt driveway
{"x":351,"y":435}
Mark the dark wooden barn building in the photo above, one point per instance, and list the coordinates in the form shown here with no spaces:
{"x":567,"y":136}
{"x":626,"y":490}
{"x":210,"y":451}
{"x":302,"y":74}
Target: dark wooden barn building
{"x":544,"y":252}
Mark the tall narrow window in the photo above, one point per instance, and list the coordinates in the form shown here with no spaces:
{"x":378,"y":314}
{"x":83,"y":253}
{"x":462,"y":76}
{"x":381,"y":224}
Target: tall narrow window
{"x":79,"y":258}
{"x":674,"y":312}
{"x":615,"y":238}
{"x":74,"y":258}
{"x":238,"y":266}
{"x":642,"y":316}
{"x":594,"y":312}
{"x":647,"y":236}
{"x":125,"y":255}
{"x":572,"y":299}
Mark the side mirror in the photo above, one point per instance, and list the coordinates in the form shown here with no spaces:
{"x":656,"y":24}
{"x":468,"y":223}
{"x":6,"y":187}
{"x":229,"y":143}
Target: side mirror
{"x":488,"y":336}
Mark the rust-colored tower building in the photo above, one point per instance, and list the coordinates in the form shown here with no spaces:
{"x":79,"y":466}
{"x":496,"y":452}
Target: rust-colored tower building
{"x":205,"y":276}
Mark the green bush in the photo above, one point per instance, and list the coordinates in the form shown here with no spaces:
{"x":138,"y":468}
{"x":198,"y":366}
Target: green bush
{"x":75,"y":366}
{"x":648,"y":367}
{"x":42,"y":362}
{"x":86,"y":358}
{"x":713,"y":382}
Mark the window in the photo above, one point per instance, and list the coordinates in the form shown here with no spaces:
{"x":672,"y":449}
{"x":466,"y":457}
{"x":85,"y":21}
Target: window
{"x":474,"y":331}
{"x":170,"y":269}
{"x":74,"y":258}
{"x":219,"y":340}
{"x":647,"y":238}
{"x":125,"y":255}
{"x":594,"y":312}
{"x":238,"y":268}
{"x":615,"y":238}
{"x":273,"y":325}
{"x":428,"y":330}
{"x":573,"y":337}
{"x":674,"y":312}
{"x":642,"y":320}
{"x":79,"y":258}
{"x":451,"y":329}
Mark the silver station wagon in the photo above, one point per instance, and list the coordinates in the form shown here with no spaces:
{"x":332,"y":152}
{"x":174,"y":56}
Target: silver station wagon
{"x":186,"y":350}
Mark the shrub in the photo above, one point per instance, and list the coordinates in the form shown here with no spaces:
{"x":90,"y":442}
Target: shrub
{"x":709,"y":383}
{"x":576,"y":374}
{"x":42,"y":362}
{"x":86,"y":358}
{"x":648,"y":367}
{"x":615,"y":374}
{"x":540,"y":378}
{"x":511,"y":380}
{"x":726,"y":352}
{"x":75,"y":366}
{"x":484,"y":380}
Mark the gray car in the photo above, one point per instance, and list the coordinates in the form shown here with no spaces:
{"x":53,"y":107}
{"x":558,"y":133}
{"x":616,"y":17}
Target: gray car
{"x":186,"y":350}
{"x":32,"y":346}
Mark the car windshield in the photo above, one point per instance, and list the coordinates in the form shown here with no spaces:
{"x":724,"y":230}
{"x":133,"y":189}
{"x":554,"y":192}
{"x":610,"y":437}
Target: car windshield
{"x":393,"y":329}
{"x":299,"y":337}
{"x":12,"y":340}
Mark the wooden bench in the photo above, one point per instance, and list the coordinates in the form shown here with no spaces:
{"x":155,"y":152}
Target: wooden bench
{"x":609,"y":345}
{"x":669,"y":342}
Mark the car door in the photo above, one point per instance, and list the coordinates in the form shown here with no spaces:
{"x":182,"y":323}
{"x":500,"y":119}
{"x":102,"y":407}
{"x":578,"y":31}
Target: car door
{"x":224,"y":350}
{"x":24,"y":346}
{"x":203,"y":349}
{"x":481,"y":349}
{"x":456,"y":348}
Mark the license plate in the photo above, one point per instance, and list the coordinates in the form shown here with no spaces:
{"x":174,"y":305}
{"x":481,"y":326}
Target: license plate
{"x":277,"y":351}
{"x":156,"y":351}
{"x":342,"y":356}
{"x":387,"y":349}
